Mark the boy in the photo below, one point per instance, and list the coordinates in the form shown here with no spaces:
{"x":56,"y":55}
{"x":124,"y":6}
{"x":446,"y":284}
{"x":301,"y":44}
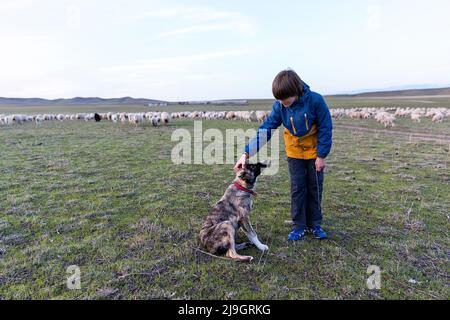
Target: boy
{"x":308,"y":139}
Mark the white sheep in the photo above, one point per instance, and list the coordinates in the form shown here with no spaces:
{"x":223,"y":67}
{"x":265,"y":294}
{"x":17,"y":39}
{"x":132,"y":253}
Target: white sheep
{"x":123,"y":117}
{"x":415,"y":117}
{"x":165,"y":117}
{"x":39,"y":119}
{"x":385,"y":118}
{"x":261,"y":116}
{"x":438,"y":117}
{"x":135,"y":118}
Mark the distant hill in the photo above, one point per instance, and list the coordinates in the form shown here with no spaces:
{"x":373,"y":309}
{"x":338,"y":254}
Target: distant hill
{"x":398,"y":93}
{"x":76,"y":101}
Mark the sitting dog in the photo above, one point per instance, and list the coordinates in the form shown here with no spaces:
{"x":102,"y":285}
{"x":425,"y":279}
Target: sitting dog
{"x":230,"y":213}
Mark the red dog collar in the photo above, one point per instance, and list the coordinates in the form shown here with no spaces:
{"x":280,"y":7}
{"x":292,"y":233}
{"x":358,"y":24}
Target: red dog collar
{"x":237,"y":185}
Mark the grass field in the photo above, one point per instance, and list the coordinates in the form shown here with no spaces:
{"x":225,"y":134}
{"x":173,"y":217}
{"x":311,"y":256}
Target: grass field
{"x":108,"y":199}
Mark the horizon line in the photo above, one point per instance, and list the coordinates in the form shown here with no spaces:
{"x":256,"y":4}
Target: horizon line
{"x":344,"y":93}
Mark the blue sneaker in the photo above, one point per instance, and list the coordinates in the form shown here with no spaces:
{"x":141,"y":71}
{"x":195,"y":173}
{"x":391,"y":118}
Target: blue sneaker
{"x":318,"y":232}
{"x":297,"y":234}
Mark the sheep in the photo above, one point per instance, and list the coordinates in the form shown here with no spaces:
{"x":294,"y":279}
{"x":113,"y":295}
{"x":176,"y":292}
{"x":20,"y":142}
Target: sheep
{"x":261,"y":116}
{"x":248,"y":116}
{"x":39,"y":119}
{"x":221,"y":115}
{"x":89,"y":116}
{"x":415,"y":117}
{"x":385,"y":118}
{"x":135,"y":118}
{"x":438,"y":117}
{"x":430,"y":113}
{"x":148,"y":116}
{"x":195,"y":115}
{"x":337,"y":113}
{"x":156,"y":120}
{"x":123,"y":117}
{"x":9,"y":119}
{"x":18,"y":118}
{"x":355,"y":115}
{"x":114,"y":117}
{"x":165,"y":117}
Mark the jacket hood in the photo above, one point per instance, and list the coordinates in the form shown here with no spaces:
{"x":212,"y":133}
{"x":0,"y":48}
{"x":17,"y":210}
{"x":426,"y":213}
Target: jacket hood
{"x":306,"y":88}
{"x":306,"y":92}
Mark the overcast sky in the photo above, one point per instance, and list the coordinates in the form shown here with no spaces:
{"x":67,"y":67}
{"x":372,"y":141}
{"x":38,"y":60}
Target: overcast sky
{"x":190,"y":50}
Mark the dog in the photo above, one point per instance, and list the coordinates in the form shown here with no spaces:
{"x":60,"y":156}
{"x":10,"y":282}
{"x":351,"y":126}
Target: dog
{"x":230,"y":213}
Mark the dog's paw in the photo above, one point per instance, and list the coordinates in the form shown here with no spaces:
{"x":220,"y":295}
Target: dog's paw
{"x":263,"y":248}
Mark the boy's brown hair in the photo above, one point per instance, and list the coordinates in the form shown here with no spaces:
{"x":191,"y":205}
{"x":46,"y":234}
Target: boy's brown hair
{"x":287,"y":84}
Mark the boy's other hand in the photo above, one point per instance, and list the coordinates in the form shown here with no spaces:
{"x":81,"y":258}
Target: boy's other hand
{"x":320,"y":164}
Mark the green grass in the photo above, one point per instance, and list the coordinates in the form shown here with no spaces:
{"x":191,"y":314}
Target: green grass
{"x":426,"y":126}
{"x":107,"y":198}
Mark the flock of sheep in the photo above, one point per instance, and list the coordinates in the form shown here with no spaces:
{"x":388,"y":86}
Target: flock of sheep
{"x":385,"y":116}
{"x":156,"y":118}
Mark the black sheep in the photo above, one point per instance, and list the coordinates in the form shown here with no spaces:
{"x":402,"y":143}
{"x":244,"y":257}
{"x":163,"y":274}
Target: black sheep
{"x":97,"y":117}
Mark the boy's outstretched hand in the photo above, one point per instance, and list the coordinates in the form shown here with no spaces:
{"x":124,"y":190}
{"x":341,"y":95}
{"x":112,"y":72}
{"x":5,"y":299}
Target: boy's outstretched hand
{"x":240,"y":163}
{"x":320,"y":164}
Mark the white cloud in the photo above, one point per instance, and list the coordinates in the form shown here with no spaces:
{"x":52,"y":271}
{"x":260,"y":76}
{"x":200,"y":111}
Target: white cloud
{"x":242,"y":27}
{"x":170,"y":78}
{"x":28,"y":56}
{"x":172,"y":63}
{"x":10,"y":6}
{"x":198,"y":19}
{"x":204,"y":76}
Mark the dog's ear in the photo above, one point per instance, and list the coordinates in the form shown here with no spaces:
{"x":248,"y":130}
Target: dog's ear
{"x":263,"y":164}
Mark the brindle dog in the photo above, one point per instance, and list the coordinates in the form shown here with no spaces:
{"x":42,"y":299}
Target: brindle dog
{"x":230,"y":213}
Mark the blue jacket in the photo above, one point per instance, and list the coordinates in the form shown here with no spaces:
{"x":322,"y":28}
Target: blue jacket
{"x":311,"y":108}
